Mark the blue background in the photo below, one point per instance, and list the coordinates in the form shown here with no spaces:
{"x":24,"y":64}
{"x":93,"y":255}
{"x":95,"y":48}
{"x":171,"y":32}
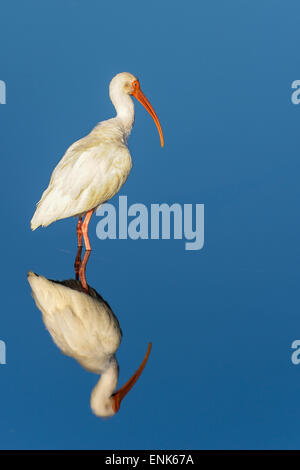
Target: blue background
{"x":222,"y":319}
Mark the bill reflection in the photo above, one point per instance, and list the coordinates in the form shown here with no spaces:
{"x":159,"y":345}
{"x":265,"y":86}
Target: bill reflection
{"x":83,"y":326}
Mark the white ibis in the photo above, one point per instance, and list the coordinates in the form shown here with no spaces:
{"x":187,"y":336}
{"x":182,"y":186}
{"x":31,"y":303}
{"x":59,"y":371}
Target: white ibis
{"x":84,"y":327}
{"x":94,"y":168}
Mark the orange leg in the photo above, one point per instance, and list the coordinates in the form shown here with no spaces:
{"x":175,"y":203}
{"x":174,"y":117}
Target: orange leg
{"x":77,"y":262}
{"x":79,"y":231}
{"x":82,"y":271}
{"x":85,"y":228}
{"x":78,"y":256}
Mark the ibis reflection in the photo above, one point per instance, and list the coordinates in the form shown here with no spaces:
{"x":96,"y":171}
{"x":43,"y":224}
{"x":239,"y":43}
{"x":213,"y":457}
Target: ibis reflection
{"x":83,"y":326}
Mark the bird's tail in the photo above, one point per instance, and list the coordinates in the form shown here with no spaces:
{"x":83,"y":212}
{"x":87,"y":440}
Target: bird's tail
{"x":31,"y":274}
{"x":40,"y":219}
{"x":35,"y":221}
{"x":33,"y":224}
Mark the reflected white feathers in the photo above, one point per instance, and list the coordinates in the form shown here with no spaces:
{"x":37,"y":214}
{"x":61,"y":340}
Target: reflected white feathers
{"x":84,"y":327}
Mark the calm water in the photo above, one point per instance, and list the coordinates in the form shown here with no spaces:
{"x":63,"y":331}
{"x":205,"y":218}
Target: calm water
{"x":221,"y":319}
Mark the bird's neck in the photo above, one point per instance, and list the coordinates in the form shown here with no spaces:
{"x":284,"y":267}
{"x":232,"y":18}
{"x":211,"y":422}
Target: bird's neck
{"x":101,"y":401}
{"x":125,"y":110}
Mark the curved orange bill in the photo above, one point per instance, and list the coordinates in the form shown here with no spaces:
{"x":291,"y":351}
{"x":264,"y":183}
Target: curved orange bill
{"x":122,"y":392}
{"x":139,"y":95}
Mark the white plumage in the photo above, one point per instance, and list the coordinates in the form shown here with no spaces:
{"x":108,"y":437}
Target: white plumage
{"x":91,"y":172}
{"x":84,"y":327}
{"x":94,"y":168}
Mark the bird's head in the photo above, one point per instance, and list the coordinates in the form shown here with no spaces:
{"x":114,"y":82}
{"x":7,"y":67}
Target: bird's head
{"x":130,"y":85}
{"x":106,"y":406}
